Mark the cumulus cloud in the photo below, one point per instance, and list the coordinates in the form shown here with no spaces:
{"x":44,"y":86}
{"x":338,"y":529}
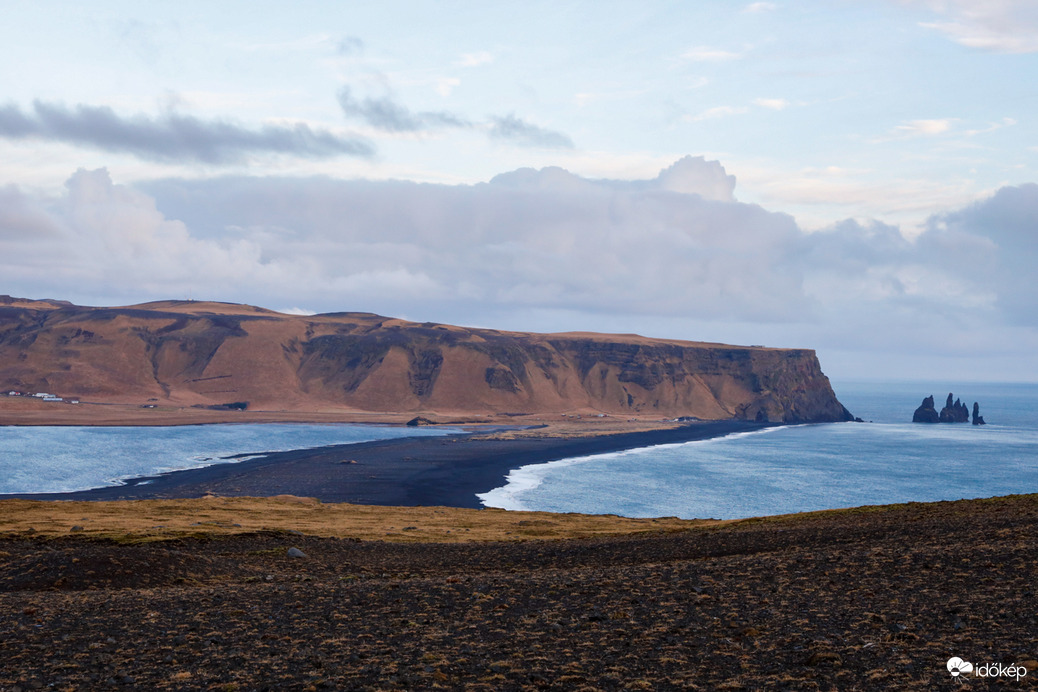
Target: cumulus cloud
{"x":677,"y":247}
{"x":172,"y":136}
{"x":773,"y":104}
{"x":677,"y":244}
{"x":995,"y":241}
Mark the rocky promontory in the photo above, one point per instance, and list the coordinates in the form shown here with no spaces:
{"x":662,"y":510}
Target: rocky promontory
{"x":200,"y":355}
{"x":954,"y":411}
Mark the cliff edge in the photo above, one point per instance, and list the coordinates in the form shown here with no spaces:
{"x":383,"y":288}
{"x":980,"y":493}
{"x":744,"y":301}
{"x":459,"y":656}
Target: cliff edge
{"x":186,"y":353}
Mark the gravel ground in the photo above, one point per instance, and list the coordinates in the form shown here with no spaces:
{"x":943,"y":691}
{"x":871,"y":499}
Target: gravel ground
{"x":866,"y":599}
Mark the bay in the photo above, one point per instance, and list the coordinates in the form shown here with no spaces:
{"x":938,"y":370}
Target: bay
{"x":55,"y":459}
{"x":806,"y":467}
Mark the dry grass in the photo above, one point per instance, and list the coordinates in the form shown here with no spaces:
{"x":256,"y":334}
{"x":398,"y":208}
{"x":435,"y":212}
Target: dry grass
{"x":149,"y":520}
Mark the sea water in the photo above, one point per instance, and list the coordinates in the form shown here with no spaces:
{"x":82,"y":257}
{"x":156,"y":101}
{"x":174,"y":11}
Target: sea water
{"x":806,"y":467}
{"x":45,"y":459}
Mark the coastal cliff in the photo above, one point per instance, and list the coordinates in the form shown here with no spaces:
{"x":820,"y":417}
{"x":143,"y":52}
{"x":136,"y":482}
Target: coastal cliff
{"x":203,"y":354}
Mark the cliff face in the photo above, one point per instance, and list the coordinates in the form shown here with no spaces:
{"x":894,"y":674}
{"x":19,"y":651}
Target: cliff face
{"x":188,"y":353}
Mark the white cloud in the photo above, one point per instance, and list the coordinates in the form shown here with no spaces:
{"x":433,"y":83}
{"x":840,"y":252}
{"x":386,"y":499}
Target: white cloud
{"x":992,"y":127}
{"x":445,"y":85}
{"x":817,"y":195}
{"x":718,"y":112}
{"x":708,"y":54}
{"x":773,"y":104}
{"x":474,"y":59}
{"x":755,"y":7}
{"x":1004,"y":26}
{"x":677,"y":248}
{"x":924,"y":127}
{"x":921,"y":128}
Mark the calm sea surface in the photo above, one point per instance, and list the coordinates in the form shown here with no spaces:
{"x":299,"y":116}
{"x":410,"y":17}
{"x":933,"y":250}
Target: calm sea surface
{"x":62,"y":459}
{"x":807,"y":467}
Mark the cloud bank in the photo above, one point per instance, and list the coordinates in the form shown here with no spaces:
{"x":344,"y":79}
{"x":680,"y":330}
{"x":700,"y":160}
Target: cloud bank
{"x":676,"y":249}
{"x":172,"y":137}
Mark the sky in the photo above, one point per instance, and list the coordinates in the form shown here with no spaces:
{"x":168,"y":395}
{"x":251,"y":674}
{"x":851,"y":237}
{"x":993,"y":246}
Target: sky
{"x":853,"y":176}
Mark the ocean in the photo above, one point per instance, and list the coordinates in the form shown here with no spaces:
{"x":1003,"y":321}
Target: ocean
{"x":58,"y":459}
{"x":773,"y":471}
{"x":806,"y":467}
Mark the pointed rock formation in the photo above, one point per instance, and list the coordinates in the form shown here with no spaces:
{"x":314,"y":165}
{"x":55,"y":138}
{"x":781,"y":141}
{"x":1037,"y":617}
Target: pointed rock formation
{"x":926,"y":413}
{"x":954,"y":412}
{"x":977,"y":418}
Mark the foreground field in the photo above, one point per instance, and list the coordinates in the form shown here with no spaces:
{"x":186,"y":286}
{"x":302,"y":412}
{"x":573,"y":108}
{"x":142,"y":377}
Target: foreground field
{"x":872,"y":598}
{"x":137,"y":521}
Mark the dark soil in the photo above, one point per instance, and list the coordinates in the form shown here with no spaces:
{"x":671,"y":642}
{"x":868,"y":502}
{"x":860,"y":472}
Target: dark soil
{"x":865,"y":599}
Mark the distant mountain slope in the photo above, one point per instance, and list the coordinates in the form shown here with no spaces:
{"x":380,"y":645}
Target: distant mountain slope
{"x":189,"y":353}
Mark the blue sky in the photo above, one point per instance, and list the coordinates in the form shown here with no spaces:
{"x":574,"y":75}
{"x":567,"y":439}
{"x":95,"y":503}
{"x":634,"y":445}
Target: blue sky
{"x":857,"y":177}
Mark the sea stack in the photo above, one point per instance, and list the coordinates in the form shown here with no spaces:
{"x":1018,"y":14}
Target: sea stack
{"x":977,"y":418}
{"x":926,"y":413}
{"x":954,"y":412}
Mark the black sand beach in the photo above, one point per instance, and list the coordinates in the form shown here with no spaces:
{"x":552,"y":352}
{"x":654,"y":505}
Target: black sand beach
{"x":416,"y":471}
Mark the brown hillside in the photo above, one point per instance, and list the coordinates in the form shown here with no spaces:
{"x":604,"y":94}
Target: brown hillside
{"x":186,"y":353}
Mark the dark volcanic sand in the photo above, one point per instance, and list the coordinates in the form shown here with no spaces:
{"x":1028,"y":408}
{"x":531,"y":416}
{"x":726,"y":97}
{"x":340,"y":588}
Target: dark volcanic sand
{"x":417,"y":471}
{"x":862,"y":600}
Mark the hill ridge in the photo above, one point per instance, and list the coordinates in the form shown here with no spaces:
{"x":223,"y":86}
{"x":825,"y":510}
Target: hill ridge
{"x":207,"y":353}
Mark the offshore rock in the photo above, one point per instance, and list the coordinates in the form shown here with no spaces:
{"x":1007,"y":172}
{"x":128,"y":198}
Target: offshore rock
{"x":926,"y":413}
{"x":977,"y":418}
{"x":954,"y":412}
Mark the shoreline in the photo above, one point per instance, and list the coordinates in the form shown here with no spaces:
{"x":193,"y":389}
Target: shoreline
{"x":444,"y":470}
